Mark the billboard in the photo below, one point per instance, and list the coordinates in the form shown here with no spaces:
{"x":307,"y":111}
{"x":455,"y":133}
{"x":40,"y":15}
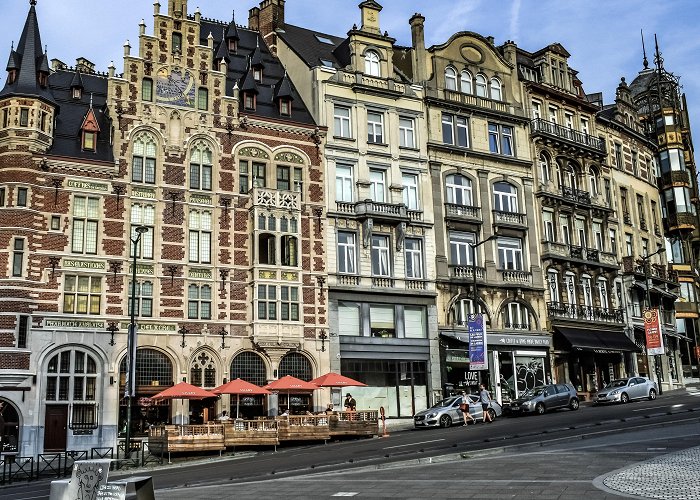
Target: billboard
{"x":652,"y":330}
{"x":477,"y":342}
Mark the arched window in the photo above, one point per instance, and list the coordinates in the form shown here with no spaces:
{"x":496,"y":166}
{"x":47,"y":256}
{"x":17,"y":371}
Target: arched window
{"x":553,"y":283}
{"x":203,"y":371}
{"x":496,"y":93}
{"x":71,"y":378}
{"x":505,"y":197}
{"x":153,"y":368}
{"x":459,"y":190}
{"x":200,"y":167}
{"x":296,"y":365}
{"x":603,"y":297}
{"x":372,"y":63}
{"x":463,"y":308}
{"x":570,"y":176}
{"x":593,"y":182}
{"x":516,"y":316}
{"x":450,"y":78}
{"x":9,"y":431}
{"x":466,"y":82}
{"x":250,"y":367}
{"x":481,"y":85}
{"x":570,"y":285}
{"x":143,"y":166}
{"x":266,"y":249}
{"x":545,"y":169}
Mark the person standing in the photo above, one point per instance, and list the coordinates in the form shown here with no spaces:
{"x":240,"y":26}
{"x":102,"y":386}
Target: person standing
{"x":485,"y":399}
{"x":350,"y":403}
{"x":464,"y":406}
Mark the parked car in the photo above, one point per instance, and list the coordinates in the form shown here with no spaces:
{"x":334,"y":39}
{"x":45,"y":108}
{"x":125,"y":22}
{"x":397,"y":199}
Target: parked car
{"x":626,"y":389}
{"x":543,"y":398}
{"x":446,"y":413}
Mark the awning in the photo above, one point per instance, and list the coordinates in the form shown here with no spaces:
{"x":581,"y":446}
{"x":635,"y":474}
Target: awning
{"x":461,"y":336}
{"x":600,"y":341}
{"x":664,"y":293}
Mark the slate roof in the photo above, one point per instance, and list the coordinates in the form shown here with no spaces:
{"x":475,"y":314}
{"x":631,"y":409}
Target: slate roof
{"x":306,"y":44}
{"x":273,"y":72}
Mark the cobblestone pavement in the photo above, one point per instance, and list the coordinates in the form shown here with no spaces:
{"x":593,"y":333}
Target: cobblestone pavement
{"x":676,"y":476}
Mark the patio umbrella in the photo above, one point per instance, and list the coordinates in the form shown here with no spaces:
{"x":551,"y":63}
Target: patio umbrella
{"x":239,"y":387}
{"x":183,"y":390}
{"x":289,"y":384}
{"x":332,"y":379}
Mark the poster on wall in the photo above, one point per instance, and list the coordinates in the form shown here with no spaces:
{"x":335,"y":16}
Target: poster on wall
{"x":655,"y":341}
{"x":477,"y":342}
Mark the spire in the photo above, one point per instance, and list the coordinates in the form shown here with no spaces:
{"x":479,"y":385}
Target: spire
{"x":658,"y":60}
{"x":222,"y":52}
{"x":248,"y":84}
{"x":283,"y":88}
{"x":77,"y":81}
{"x":13,"y":61}
{"x":256,"y":60}
{"x":232,"y":30}
{"x":31,"y":62}
{"x":645,"y":61}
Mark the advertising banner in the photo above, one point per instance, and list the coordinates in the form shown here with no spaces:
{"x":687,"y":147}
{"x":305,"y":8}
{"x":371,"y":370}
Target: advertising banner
{"x":655,"y":341}
{"x":477,"y":342}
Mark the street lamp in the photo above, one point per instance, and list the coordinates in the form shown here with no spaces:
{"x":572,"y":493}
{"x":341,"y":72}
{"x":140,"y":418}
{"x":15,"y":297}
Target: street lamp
{"x":657,"y":361}
{"x":132,"y":341}
{"x":474,"y":246}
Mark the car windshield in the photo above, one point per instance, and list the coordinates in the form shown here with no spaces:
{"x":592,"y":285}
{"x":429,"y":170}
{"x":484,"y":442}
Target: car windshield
{"x":535,"y":391}
{"x":443,"y":403}
{"x":617,"y":383}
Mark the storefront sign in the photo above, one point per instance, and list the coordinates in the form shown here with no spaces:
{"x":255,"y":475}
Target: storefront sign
{"x":88,"y":186}
{"x":477,"y":342}
{"x":456,"y":356}
{"x":59,"y":323}
{"x":200,"y":199}
{"x":143,"y":193}
{"x":655,"y":341}
{"x":200,"y":273}
{"x":83,"y":264}
{"x":151,"y":327}
{"x":520,"y":340}
{"x":142,"y":269}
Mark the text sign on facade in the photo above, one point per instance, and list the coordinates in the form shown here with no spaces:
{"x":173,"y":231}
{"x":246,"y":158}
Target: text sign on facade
{"x":652,"y":330}
{"x":519,"y":340}
{"x":477,"y":342}
{"x":87,"y":186}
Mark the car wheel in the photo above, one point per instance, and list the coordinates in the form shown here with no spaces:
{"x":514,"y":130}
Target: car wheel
{"x":574,"y":404}
{"x":492,"y":414}
{"x":624,"y":398}
{"x":445,"y":421}
{"x":652,"y":394}
{"x":539,"y":409}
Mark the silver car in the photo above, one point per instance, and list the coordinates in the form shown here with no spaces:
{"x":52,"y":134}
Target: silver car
{"x":543,"y":398}
{"x":626,"y":389}
{"x":446,"y":413}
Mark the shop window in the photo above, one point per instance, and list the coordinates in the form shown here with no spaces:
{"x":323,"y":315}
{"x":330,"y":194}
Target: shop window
{"x":382,"y":323}
{"x":203,"y":371}
{"x":296,"y":365}
{"x":250,"y":367}
{"x":71,"y":377}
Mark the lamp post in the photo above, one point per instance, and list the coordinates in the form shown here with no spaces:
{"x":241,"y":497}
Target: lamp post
{"x":132,"y":342}
{"x":474,"y":246}
{"x":657,"y":360}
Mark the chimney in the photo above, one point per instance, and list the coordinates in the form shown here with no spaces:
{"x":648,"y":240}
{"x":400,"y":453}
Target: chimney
{"x":271,"y":16}
{"x":418,"y":42}
{"x":254,"y":19}
{"x":509,"y":52}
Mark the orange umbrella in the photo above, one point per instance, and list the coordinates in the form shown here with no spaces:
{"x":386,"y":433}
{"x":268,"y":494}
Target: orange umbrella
{"x":239,"y":387}
{"x":289,"y":384}
{"x":183,"y":390}
{"x":332,"y":379}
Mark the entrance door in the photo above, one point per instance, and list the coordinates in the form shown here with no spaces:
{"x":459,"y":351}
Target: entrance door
{"x":55,"y":428}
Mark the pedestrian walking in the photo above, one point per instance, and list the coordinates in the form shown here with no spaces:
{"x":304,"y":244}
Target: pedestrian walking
{"x":485,"y":399}
{"x":464,"y":406}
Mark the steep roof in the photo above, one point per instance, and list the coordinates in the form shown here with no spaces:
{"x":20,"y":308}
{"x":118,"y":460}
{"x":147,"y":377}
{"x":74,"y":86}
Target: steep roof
{"x":313,"y":47}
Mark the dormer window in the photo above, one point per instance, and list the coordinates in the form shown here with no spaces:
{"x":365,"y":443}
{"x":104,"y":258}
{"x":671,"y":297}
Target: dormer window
{"x":11,"y":76}
{"x":285,"y":107}
{"x":232,"y":45}
{"x":89,"y":131}
{"x":249,"y":100}
{"x":372,"y":63}
{"x":43,"y":79}
{"x":77,"y":93}
{"x":177,"y":43}
{"x":257,"y":74}
{"x":89,"y":141}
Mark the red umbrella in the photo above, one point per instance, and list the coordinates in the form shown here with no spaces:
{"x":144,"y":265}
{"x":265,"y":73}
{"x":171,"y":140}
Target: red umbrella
{"x":332,"y":379}
{"x":183,"y":390}
{"x":289,"y":384}
{"x":239,"y":387}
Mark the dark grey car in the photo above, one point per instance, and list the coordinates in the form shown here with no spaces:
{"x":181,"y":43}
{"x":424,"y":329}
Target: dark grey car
{"x":544,"y":398}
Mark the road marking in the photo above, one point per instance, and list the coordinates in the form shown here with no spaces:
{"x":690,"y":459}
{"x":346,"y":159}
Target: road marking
{"x":345,"y":494}
{"x":413,"y":444}
{"x":656,"y":449}
{"x":654,"y":408}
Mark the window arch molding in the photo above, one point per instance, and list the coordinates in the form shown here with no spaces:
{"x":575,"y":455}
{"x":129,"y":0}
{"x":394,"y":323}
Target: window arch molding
{"x":204,"y":369}
{"x":524,"y":307}
{"x":460,"y":188}
{"x":296,"y":364}
{"x":455,"y":309}
{"x":496,"y":89}
{"x":481,"y":85}
{"x":250,"y":366}
{"x":466,"y":82}
{"x":593,"y":180}
{"x":450,"y":78}
{"x":545,"y":167}
{"x":505,"y":196}
{"x":373,"y":59}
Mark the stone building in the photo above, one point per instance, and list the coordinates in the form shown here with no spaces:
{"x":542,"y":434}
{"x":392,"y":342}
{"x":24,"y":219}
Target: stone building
{"x":205,"y":146}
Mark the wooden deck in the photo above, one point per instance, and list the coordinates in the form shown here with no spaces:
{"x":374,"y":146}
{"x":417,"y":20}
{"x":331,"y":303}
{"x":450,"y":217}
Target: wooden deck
{"x":261,"y":432}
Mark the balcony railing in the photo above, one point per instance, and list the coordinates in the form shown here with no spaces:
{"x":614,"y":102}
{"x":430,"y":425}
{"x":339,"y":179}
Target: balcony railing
{"x":682,"y":219}
{"x":500,"y":217}
{"x":348,"y":279}
{"x":545,"y":127}
{"x":516,"y":326}
{"x":576,"y":195}
{"x":629,"y":265}
{"x":462,"y":211}
{"x":576,"y":252}
{"x":510,"y":276}
{"x":286,"y":200}
{"x":467,"y":272}
{"x":472,"y":100}
{"x":415,"y":284}
{"x":674,"y":177}
{"x":563,"y":310}
{"x":380,"y":282}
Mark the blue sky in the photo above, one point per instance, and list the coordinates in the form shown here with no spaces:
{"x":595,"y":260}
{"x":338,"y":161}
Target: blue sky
{"x":602,"y":36}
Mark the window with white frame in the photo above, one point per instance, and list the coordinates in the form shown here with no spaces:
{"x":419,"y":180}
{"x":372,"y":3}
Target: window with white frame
{"x":143,"y":166}
{"x":341,"y":122}
{"x":510,"y":253}
{"x":517,"y":316}
{"x":597,"y":235}
{"x":414,"y":322}
{"x":407,"y":134}
{"x":413,"y":249}
{"x":201,"y":167}
{"x":349,"y":319}
{"x":553,"y":284}
{"x":466,"y":82}
{"x":372,"y":67}
{"x":545,"y":169}
{"x":347,"y":252}
{"x":570,"y":285}
{"x":377,"y":185}
{"x":553,"y":111}
{"x":536,"y":110}
{"x":612,"y":234}
{"x":375,"y":127}
{"x":501,"y":139}
{"x":410,"y":190}
{"x":496,"y":89}
{"x":450,"y":78}
{"x":143,"y":298}
{"x":570,"y":176}
{"x":505,"y":197}
{"x":565,"y":229}
{"x":267,"y":302}
{"x":85,"y":221}
{"x":460,"y":248}
{"x":82,"y":294}
{"x":481,"y":90}
{"x":593,"y":182}
{"x":343,"y":183}
{"x":380,"y":256}
{"x":199,"y":302}
{"x":581,"y":232}
{"x":586,"y":291}
{"x":142,"y":215}
{"x":548,"y":222}
{"x":200,"y":236}
{"x":584,"y":126}
{"x":463,"y":308}
{"x":603,"y":294}
{"x":71,"y":377}
{"x":455,"y":130}
{"x":459,"y":190}
{"x":381,"y":321}
{"x":569,"y":120}
{"x":289,"y":303}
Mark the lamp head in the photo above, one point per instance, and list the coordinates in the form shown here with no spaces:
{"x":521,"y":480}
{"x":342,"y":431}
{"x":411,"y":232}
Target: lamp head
{"x":141,"y":229}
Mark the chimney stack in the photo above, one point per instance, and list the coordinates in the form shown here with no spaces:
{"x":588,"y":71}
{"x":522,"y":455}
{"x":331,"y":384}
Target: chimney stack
{"x":418,"y":42}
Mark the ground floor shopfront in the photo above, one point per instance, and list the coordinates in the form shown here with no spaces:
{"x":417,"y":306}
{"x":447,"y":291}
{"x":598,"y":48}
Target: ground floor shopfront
{"x":517,"y":362}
